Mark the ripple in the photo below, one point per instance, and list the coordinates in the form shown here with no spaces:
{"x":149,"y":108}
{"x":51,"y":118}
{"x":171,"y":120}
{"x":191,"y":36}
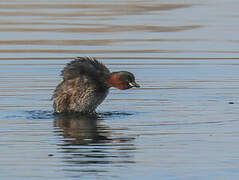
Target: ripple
{"x":39,"y":114}
{"x":115,"y":114}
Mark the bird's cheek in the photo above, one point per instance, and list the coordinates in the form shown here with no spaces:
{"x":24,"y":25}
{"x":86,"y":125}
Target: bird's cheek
{"x":123,"y":86}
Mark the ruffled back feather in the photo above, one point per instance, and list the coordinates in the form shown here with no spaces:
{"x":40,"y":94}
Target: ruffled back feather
{"x":87,"y":66}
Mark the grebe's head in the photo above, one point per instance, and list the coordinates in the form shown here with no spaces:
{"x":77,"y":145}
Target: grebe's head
{"x":122,"y":80}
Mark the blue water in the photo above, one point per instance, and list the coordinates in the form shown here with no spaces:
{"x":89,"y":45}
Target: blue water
{"x":182,"y":124}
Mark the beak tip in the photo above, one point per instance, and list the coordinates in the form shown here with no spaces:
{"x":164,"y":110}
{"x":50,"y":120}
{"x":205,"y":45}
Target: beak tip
{"x":134,"y":85}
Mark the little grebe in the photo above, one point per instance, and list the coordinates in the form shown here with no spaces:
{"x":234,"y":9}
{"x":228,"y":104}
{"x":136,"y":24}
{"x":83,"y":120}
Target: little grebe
{"x":85,"y":85}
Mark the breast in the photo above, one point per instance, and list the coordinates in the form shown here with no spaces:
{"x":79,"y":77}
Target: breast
{"x":86,"y":95}
{"x":89,"y":100}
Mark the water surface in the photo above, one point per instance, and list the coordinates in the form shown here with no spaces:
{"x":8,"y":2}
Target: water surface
{"x":181,"y":124}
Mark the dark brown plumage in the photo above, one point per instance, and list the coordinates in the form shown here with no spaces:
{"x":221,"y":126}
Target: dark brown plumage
{"x":85,"y":85}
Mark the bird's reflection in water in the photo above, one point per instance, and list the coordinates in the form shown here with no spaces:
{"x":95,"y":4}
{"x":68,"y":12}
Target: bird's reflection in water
{"x":87,"y":143}
{"x":81,"y":129}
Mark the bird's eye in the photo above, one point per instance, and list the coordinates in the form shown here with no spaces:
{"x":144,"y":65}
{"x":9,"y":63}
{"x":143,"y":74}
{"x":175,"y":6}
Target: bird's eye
{"x":131,"y":79}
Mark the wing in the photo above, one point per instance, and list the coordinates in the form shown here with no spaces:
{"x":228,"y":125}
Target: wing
{"x":86,"y":66}
{"x":61,"y":99}
{"x":77,"y":95}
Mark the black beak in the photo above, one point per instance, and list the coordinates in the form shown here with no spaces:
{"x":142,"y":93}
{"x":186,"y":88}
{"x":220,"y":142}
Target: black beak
{"x":134,"y":84}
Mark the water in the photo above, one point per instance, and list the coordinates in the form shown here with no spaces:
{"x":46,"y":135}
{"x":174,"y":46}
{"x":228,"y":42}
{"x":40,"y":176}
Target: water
{"x":181,"y":124}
